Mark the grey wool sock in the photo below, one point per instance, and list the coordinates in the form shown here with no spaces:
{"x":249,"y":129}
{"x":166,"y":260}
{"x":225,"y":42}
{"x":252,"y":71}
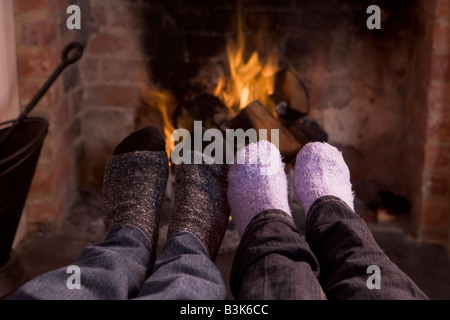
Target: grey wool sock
{"x":201,"y":205}
{"x":135,"y":180}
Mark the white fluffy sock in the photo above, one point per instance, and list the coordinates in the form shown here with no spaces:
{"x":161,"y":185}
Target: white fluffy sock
{"x":257,"y":185}
{"x":320,"y":170}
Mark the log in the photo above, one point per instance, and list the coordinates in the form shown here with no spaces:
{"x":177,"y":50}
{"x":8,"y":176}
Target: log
{"x":290,"y":94}
{"x":257,"y":116}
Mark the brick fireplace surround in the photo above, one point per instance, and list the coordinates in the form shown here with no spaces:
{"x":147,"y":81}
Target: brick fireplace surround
{"x":383,"y":95}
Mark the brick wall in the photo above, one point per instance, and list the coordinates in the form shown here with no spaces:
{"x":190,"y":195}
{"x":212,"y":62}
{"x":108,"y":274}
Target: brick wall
{"x":113,"y":68}
{"x":427,"y":154}
{"x":91,"y":107}
{"x":435,"y":207}
{"x":39,"y":42}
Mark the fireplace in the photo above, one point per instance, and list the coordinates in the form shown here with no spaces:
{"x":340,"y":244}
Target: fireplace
{"x":378,"y":95}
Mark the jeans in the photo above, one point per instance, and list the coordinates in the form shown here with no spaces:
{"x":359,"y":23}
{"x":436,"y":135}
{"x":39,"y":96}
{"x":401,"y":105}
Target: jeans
{"x":272,"y":261}
{"x":123,"y":267}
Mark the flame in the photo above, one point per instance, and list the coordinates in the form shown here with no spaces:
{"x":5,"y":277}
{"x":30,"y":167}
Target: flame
{"x":163,"y":101}
{"x":249,"y":80}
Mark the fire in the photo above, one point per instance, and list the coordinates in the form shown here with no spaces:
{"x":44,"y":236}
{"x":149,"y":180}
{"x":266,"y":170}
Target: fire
{"x":163,"y":101}
{"x":248,"y":80}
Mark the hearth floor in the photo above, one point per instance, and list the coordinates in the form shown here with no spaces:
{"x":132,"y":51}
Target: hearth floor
{"x":45,"y":250}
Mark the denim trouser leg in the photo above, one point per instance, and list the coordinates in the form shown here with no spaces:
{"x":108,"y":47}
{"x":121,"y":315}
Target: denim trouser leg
{"x":184,"y":271}
{"x":345,"y":248}
{"x":274,"y":262}
{"x":113,"y":269}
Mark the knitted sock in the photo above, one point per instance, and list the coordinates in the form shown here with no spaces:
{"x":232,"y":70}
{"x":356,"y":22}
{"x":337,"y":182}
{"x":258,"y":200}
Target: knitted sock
{"x":201,"y":205}
{"x":147,"y":139}
{"x":320,"y":170}
{"x":257,"y":185}
{"x":135,"y":180}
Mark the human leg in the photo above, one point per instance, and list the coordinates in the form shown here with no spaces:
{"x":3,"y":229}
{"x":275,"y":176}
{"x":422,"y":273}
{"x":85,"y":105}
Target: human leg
{"x":345,"y":248}
{"x":185,"y":268}
{"x":272,"y":261}
{"x":111,"y":270}
{"x":134,"y":183}
{"x":340,"y":239}
{"x":184,"y":271}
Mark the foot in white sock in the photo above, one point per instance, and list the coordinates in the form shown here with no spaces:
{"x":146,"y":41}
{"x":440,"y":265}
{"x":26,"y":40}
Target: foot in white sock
{"x":320,"y":170}
{"x":257,"y":185}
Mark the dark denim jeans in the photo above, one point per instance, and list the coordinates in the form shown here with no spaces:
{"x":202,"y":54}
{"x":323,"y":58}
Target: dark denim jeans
{"x":274,"y":262}
{"x":124,"y":267}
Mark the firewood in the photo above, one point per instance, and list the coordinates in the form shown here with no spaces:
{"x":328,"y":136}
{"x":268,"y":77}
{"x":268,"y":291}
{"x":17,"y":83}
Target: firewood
{"x":257,"y":116}
{"x":290,"y":94}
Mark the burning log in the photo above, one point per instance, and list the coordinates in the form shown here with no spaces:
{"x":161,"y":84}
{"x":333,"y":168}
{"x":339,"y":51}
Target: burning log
{"x":292,"y":107}
{"x":290,"y":94}
{"x":257,"y":116}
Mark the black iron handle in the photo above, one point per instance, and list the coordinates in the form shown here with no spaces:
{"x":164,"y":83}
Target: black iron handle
{"x":71,"y":54}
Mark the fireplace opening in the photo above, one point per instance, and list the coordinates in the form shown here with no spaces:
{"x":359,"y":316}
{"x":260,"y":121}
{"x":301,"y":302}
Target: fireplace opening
{"x":319,"y":71}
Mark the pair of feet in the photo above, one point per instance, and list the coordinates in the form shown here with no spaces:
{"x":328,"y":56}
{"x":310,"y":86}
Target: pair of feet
{"x":320,"y":170}
{"x":136,"y":176}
